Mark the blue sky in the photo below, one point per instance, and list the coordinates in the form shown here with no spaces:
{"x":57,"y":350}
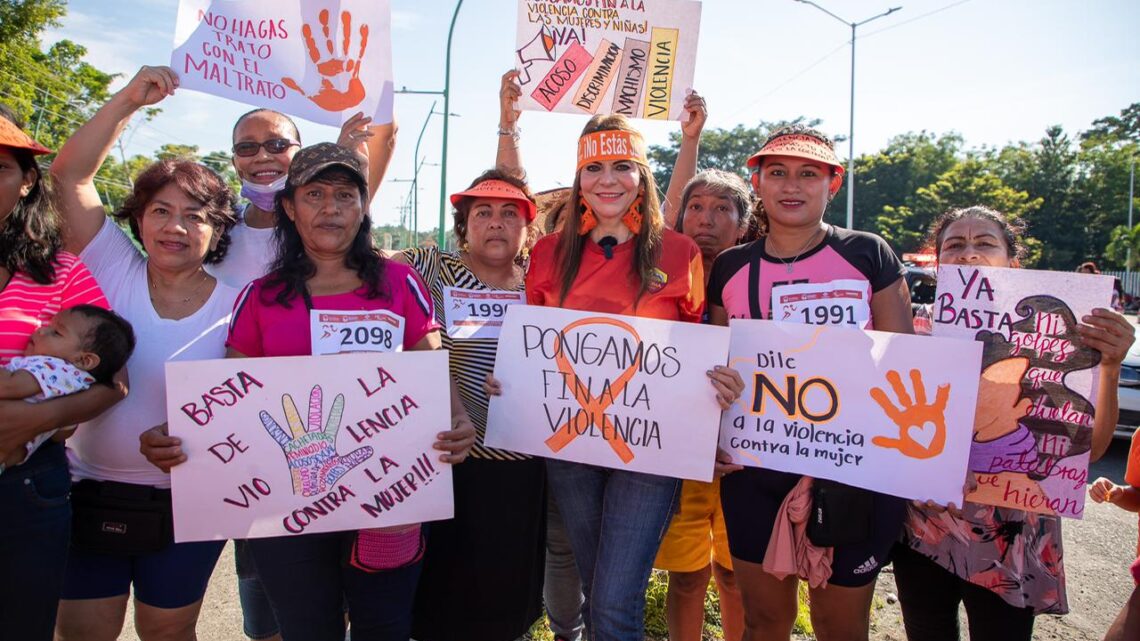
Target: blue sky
{"x":994,"y":70}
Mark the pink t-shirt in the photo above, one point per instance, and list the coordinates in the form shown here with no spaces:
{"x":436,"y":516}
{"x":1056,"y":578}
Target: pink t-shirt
{"x":25,"y":305}
{"x":843,"y":255}
{"x":261,"y":327}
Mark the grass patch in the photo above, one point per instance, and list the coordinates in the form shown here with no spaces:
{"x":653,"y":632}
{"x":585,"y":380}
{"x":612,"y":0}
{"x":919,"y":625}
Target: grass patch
{"x":656,"y":626}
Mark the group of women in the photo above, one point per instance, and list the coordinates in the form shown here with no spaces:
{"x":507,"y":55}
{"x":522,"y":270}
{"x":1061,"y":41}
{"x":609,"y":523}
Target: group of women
{"x":212,"y":280}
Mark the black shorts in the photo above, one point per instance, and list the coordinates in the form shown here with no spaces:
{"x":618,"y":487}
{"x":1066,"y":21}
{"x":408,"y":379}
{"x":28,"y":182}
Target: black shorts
{"x":751,"y":499}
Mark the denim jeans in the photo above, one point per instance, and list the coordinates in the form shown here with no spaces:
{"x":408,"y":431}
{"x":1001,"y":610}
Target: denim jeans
{"x":562,"y":589}
{"x":308,"y":583}
{"x":35,"y":531}
{"x":615,"y":520}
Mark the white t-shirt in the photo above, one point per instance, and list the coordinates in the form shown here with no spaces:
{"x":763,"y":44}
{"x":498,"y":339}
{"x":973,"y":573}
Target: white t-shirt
{"x":107,"y":448}
{"x":248,"y":257}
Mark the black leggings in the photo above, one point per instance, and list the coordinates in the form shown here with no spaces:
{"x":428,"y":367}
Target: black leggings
{"x":930,"y":594}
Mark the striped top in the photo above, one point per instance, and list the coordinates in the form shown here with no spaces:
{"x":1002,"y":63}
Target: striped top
{"x":471,"y":359}
{"x":25,"y":305}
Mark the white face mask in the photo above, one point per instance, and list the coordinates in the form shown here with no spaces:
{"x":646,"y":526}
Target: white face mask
{"x":262,"y":196}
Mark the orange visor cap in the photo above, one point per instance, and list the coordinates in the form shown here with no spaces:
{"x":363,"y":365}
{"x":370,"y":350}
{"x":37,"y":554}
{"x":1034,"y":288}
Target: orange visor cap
{"x":499,"y":189}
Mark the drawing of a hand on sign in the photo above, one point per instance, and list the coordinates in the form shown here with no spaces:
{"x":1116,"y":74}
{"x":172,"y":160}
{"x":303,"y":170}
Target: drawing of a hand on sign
{"x":922,"y":427}
{"x":340,"y":87}
{"x":310,"y":451}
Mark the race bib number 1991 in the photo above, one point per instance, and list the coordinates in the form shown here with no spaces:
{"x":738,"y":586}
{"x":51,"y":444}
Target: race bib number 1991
{"x":840,"y":302}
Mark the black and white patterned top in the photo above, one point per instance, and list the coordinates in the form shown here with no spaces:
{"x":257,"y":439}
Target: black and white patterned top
{"x":472,"y":359}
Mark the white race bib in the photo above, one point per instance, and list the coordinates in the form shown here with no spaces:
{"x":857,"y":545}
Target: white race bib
{"x":337,"y":332}
{"x":840,"y":302}
{"x":477,"y":313}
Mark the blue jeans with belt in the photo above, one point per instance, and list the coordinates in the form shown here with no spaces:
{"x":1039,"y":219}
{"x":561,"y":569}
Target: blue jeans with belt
{"x":615,"y":520}
{"x":35,"y":530}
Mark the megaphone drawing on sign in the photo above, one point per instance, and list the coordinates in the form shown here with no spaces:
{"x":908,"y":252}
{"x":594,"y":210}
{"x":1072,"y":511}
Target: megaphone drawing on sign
{"x":541,"y":47}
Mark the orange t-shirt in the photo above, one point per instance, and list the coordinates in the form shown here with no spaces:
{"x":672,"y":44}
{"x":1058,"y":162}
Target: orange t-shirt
{"x":1132,"y":470}
{"x":611,"y":285}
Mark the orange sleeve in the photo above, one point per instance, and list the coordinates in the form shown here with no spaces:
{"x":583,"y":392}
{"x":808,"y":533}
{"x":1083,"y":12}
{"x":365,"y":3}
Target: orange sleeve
{"x":1132,"y":471}
{"x":693,"y":305}
{"x":538,"y":276}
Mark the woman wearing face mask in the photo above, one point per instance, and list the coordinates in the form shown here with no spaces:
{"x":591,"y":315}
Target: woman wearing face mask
{"x":1003,"y":564}
{"x":796,"y":174}
{"x":264,"y":143}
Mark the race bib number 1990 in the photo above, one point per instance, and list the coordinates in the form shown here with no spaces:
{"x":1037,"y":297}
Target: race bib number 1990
{"x":475,"y":313}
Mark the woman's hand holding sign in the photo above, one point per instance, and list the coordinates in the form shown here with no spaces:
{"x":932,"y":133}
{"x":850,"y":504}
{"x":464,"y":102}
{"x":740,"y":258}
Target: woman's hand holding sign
{"x":150,"y":86}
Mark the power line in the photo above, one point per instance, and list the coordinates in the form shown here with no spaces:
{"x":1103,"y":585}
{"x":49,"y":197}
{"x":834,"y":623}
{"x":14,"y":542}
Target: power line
{"x":791,"y":79}
{"x":839,"y":48}
{"x":915,"y":18}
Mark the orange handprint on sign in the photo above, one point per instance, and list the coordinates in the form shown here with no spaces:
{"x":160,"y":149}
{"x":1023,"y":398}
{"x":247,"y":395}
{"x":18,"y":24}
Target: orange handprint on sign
{"x":329,"y":97}
{"x":922,"y":427}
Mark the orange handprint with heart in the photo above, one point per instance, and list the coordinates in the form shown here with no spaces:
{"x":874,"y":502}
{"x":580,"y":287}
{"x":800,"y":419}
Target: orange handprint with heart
{"x":344,"y":69}
{"x":922,"y":427}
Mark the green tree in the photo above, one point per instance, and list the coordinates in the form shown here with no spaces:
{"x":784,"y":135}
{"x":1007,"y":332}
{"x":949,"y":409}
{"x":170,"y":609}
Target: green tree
{"x":1124,"y":248}
{"x":970,"y":182}
{"x":889,"y":179}
{"x":727,"y":149}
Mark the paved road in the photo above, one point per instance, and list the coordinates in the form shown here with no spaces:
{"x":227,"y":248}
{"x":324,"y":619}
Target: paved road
{"x":1098,"y":551}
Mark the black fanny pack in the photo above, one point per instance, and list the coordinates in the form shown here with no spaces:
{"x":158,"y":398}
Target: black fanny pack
{"x":120,"y":518}
{"x":840,"y":514}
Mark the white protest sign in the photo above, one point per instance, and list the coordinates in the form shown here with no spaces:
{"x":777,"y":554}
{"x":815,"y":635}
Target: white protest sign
{"x":293,"y":445}
{"x":322,"y":60}
{"x":616,"y":391}
{"x":1038,"y":383}
{"x":633,"y":57}
{"x":882,"y":411}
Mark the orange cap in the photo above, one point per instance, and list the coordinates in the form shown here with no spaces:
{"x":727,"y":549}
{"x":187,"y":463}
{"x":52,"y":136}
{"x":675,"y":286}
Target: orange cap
{"x":799,"y":146}
{"x":611,"y":144}
{"x":496,"y":188}
{"x":13,"y":136}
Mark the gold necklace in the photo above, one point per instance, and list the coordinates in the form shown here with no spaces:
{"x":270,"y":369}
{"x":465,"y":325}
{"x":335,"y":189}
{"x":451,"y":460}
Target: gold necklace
{"x":154,"y":288}
{"x":789,"y":265}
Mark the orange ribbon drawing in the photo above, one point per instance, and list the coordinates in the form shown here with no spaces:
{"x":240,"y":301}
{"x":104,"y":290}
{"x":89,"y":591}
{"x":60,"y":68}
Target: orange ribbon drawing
{"x":594,"y":407}
{"x":328,"y":97}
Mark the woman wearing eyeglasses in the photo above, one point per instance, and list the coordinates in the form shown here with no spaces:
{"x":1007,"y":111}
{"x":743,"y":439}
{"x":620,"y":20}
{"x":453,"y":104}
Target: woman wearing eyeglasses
{"x":264,"y":143}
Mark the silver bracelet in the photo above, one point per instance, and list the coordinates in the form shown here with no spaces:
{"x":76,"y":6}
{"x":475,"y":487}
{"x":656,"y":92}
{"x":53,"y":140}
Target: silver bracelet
{"x":513,"y":132}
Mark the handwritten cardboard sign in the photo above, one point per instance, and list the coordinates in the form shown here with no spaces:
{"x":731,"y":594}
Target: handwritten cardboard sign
{"x":616,"y":391}
{"x":882,"y":411}
{"x":294,"y":445}
{"x":1035,"y":402}
{"x":634,"y":57}
{"x":322,"y":60}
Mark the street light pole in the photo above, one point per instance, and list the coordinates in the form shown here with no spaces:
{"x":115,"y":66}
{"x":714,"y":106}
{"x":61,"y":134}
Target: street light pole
{"x":1131,"y":196}
{"x":446,"y":118}
{"x":851,"y":132}
{"x":416,"y":164}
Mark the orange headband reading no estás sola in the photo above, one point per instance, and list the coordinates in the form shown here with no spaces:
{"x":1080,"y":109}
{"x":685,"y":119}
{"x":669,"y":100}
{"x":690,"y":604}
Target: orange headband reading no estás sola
{"x":611,"y":145}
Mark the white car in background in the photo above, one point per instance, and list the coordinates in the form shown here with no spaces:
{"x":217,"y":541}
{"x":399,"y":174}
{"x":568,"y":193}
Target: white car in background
{"x":1129,"y":393}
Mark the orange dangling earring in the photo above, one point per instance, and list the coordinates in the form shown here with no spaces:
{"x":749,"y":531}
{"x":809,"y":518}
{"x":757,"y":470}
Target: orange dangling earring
{"x":633,"y":217}
{"x":589,"y":220}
